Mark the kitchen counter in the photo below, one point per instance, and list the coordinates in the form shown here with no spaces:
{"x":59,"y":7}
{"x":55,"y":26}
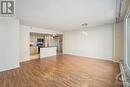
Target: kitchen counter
{"x":47,"y":47}
{"x":47,"y":51}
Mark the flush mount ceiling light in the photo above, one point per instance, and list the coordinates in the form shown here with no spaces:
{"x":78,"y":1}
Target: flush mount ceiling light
{"x":84,"y":32}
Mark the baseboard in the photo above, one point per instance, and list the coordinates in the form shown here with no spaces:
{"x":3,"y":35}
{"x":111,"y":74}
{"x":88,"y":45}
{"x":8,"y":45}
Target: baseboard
{"x":10,"y":68}
{"x":98,"y":58}
{"x":117,"y":61}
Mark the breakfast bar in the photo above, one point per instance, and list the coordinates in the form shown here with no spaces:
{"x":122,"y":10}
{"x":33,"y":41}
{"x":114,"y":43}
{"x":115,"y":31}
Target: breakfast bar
{"x":47,"y":51}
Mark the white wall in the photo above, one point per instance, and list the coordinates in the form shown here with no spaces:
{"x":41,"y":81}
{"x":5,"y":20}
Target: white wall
{"x":9,"y":43}
{"x":97,"y":44}
{"x":25,"y":39}
{"x":24,"y":43}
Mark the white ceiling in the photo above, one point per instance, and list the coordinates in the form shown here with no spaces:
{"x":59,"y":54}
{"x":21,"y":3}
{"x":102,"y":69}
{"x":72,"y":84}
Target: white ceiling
{"x":64,"y":15}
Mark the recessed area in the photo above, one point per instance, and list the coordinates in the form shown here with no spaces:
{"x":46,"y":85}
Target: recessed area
{"x":49,"y":42}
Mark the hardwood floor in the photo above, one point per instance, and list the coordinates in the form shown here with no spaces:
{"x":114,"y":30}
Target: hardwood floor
{"x":35,"y":56}
{"x":62,"y":71}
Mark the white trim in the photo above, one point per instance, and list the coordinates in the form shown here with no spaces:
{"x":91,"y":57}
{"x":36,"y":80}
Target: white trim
{"x":108,"y":59}
{"x":4,"y":70}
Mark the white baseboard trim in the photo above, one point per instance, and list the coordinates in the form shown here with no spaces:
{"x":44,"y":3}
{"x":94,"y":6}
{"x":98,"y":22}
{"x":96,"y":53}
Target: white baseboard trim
{"x":10,"y":68}
{"x":99,"y":58}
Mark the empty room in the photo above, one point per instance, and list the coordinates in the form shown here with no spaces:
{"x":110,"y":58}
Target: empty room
{"x":64,"y":43}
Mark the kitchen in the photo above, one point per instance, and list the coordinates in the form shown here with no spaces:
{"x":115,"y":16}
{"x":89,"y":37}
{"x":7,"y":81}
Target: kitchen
{"x":44,"y":45}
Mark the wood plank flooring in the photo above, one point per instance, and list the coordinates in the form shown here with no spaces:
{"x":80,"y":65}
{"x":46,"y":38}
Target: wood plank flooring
{"x":62,"y":71}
